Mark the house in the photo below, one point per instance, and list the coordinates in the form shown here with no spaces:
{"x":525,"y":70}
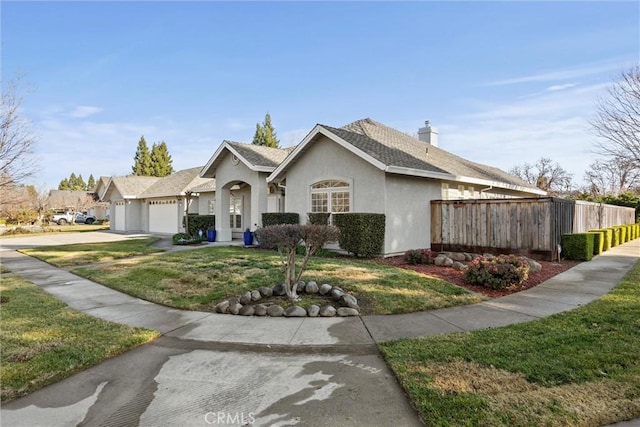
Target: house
{"x":158,"y":205}
{"x":364,"y":166}
{"x":77,"y":201}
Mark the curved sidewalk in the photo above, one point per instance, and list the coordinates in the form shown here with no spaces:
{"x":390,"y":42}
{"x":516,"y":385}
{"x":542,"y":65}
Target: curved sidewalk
{"x":566,"y":291}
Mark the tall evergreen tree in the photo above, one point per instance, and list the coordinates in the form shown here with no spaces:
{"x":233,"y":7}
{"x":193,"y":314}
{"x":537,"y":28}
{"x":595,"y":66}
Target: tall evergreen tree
{"x":91,"y":183}
{"x":73,"y":181}
{"x":64,"y":184}
{"x":266,"y":134}
{"x":143,"y":164}
{"x":161,"y":160}
{"x":80,"y":184}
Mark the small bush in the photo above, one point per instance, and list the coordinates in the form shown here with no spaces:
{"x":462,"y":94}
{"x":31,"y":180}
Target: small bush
{"x":200,"y":222}
{"x":16,"y":230}
{"x":319,"y":218}
{"x":501,"y":272}
{"x":578,"y":246}
{"x":361,"y":234}
{"x":185,"y":239}
{"x":607,"y":236}
{"x":277,"y":218}
{"x":615,"y":236}
{"x":598,"y":242}
{"x":419,"y":256}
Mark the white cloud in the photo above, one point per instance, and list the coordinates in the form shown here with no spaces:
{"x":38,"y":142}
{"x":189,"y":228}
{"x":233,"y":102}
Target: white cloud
{"x":560,"y":87}
{"x":565,"y":74}
{"x":84,"y":111}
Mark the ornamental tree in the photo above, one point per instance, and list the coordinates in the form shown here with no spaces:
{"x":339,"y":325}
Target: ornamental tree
{"x":286,"y":238}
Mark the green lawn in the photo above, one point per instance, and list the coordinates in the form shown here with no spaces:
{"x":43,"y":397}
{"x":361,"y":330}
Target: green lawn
{"x":71,"y":228}
{"x":576,"y":368}
{"x":79,"y":254}
{"x":198,"y":279}
{"x":44,"y":341}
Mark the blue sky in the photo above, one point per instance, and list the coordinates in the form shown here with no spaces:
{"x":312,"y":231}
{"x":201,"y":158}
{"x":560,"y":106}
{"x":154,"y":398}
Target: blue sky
{"x":504,"y":82}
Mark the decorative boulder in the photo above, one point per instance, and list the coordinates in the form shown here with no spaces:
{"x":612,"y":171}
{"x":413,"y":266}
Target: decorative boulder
{"x":260,"y":310}
{"x":266,"y":291}
{"x":347,"y":300}
{"x":325,"y":289}
{"x":300,"y":286}
{"x":222,"y":307}
{"x":311,"y":288}
{"x":234,"y":306}
{"x":256,"y":296}
{"x":327,"y":311}
{"x":275,"y":311}
{"x":313,"y":310}
{"x":347,"y":311}
{"x":278,"y":290}
{"x":457,"y":256}
{"x":246,"y":310}
{"x":439,"y":260}
{"x":468,"y":257}
{"x":245,"y":298}
{"x":295,"y":311}
{"x":336,"y":293}
{"x":534,"y":266}
{"x":459,"y":266}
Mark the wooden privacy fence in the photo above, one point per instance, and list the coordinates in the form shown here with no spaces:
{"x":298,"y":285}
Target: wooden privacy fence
{"x":528,"y":226}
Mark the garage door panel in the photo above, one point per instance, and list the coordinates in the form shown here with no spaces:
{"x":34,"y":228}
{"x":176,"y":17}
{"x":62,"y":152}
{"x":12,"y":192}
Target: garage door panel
{"x":163,"y":216}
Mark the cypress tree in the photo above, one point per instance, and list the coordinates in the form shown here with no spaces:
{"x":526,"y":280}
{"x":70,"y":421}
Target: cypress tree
{"x":143,"y":164}
{"x":161,"y":160}
{"x":64,"y":184}
{"x":91,"y":183}
{"x":266,"y":134}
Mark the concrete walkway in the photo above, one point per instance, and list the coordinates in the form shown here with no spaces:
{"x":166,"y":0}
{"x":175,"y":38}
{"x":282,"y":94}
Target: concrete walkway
{"x":272,"y":371}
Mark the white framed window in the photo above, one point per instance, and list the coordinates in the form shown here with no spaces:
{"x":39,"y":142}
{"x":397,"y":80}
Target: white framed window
{"x":211,"y":207}
{"x":235,"y":213}
{"x":331,"y":196}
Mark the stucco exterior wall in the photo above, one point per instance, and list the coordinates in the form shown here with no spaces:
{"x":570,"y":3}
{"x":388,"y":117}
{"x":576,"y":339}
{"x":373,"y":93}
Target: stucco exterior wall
{"x":408,"y":212}
{"x":133,"y":212}
{"x":203,"y":203}
{"x":324,"y":160}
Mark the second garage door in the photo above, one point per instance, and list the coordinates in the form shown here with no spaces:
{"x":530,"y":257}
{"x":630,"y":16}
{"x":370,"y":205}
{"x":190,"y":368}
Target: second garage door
{"x":163,"y":216}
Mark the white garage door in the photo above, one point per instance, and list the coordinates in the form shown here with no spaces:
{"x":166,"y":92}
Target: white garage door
{"x":163,"y":216}
{"x":120,"y":219}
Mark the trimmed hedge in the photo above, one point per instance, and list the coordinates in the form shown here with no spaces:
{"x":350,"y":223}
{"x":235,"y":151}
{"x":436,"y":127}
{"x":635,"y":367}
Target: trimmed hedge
{"x":277,"y":218}
{"x":615,"y":238}
{"x":598,"y":242}
{"x":607,"y":235}
{"x":200,"y":222}
{"x":319,"y":218}
{"x":578,"y":246}
{"x":362,"y":234}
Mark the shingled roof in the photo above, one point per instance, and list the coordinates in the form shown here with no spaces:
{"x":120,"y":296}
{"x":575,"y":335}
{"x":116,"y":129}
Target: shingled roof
{"x":256,"y":157}
{"x":131,"y":186}
{"x":176,"y":184}
{"x":396,"y":152}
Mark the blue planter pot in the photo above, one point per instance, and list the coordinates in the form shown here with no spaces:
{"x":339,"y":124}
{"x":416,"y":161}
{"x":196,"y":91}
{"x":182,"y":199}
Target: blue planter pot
{"x":248,"y":238}
{"x":211,"y":235}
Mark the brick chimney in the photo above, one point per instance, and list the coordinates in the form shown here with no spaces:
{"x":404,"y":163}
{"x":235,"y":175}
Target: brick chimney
{"x":428,"y":134}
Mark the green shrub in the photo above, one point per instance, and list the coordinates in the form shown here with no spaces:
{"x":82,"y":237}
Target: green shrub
{"x":276,"y":218}
{"x":419,"y":256}
{"x":319,"y":218}
{"x":361,"y":234}
{"x":598,"y":242}
{"x":615,"y":237}
{"x":16,"y":230}
{"x":200,"y":222}
{"x":578,"y":246}
{"x":623,"y":233}
{"x":499,"y":272}
{"x":607,"y":235}
{"x":185,"y":239}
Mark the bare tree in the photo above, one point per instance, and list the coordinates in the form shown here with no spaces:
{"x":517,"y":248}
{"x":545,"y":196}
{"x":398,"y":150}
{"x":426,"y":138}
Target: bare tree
{"x":545,"y":175}
{"x":617,"y":119}
{"x":612,"y":177}
{"x":17,"y":162}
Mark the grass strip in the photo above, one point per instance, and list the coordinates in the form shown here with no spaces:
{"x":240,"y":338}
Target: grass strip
{"x":580,"y":367}
{"x":43,"y":340}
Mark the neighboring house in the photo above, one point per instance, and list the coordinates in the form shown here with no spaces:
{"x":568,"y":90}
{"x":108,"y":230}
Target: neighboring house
{"x":157,"y":205}
{"x":242,"y":193}
{"x":364,"y":166}
{"x":77,"y":201}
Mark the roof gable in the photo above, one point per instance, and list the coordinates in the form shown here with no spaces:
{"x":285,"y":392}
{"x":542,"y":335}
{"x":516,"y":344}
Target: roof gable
{"x":176,"y":184}
{"x":128,"y":187}
{"x":257,"y":158}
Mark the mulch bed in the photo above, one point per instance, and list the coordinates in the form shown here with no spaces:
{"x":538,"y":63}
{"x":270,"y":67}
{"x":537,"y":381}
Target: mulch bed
{"x":451,"y":275}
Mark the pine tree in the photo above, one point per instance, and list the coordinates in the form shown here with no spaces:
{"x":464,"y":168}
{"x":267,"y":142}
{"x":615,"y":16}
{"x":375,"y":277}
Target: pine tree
{"x":266,"y":134}
{"x":80,"y":184}
{"x":91,"y":183}
{"x":64,"y":184}
{"x":143,"y":164}
{"x":73,"y":180}
{"x":161,"y":160}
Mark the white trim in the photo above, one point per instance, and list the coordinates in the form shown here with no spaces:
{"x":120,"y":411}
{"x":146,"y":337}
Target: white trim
{"x":318,"y":129}
{"x":225,"y":144}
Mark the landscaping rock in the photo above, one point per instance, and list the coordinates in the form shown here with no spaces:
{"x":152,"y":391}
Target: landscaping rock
{"x":275,"y":311}
{"x":347,"y":300}
{"x":246,"y":310}
{"x":457,"y":256}
{"x":459,"y":266}
{"x":443,"y":261}
{"x":327,"y":311}
{"x":534,"y":266}
{"x":300,"y":286}
{"x":336,"y":293}
{"x":266,"y":291}
{"x":256,"y":296}
{"x":325,"y":289}
{"x":260,"y":310}
{"x":313,"y":310}
{"x":468,"y":257}
{"x":347,"y":311}
{"x":234,"y":306}
{"x":295,"y":311}
{"x":222,"y":307}
{"x":278,"y":290}
{"x":311,"y":288}
{"x":245,"y":298}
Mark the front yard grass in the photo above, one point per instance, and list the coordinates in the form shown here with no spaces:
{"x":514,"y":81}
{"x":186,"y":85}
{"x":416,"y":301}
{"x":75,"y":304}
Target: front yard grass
{"x":199,"y":279}
{"x":44,"y":341}
{"x":79,"y":254}
{"x":576,"y":368}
